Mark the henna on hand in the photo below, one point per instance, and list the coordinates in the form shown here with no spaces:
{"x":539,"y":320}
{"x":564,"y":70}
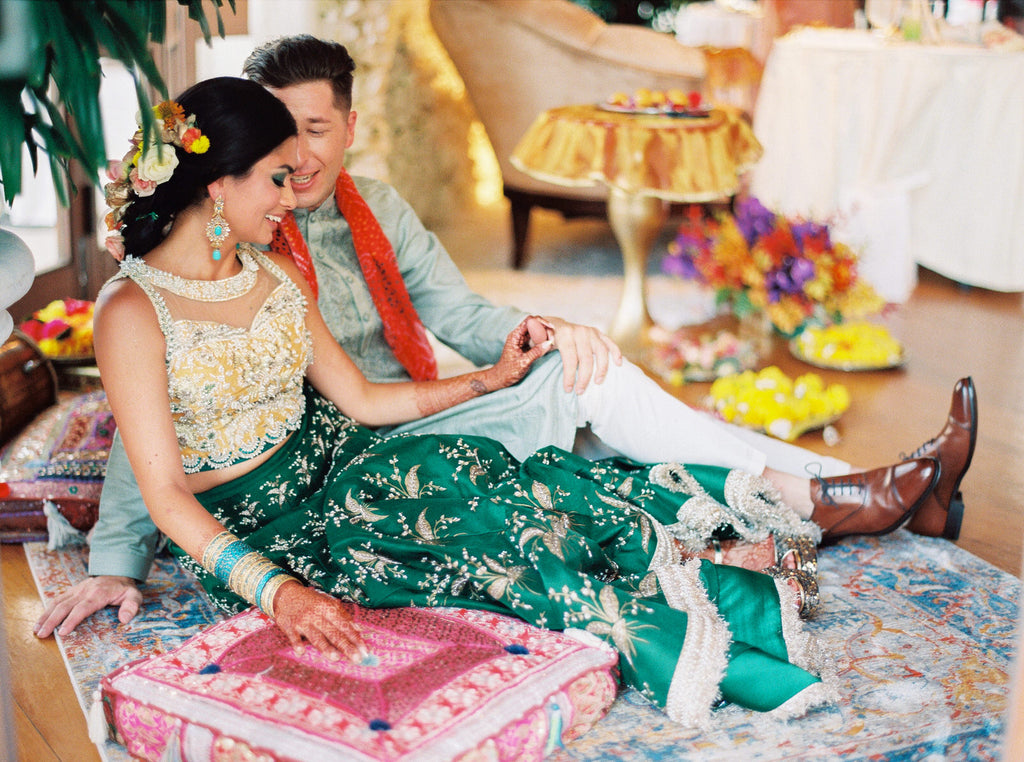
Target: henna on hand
{"x":307,"y":615}
{"x":518,"y":354}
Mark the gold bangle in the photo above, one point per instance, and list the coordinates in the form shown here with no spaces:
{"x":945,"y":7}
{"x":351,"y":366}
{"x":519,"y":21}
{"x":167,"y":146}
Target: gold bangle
{"x":247,"y":573}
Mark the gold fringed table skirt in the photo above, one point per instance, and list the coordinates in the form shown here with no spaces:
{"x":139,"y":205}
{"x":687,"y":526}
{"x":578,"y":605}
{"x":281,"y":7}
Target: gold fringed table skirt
{"x":683,"y":159}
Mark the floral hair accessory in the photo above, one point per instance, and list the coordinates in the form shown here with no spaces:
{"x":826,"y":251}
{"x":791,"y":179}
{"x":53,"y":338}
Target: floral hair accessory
{"x":146,"y":166}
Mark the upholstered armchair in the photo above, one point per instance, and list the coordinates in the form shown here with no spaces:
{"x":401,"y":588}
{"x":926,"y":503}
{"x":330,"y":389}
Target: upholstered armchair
{"x":519,"y":58}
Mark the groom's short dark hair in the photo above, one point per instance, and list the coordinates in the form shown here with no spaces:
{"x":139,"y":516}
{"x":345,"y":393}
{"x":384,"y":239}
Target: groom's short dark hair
{"x":303,"y":58}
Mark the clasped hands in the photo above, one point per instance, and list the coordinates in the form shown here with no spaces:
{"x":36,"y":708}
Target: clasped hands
{"x":586,"y":351}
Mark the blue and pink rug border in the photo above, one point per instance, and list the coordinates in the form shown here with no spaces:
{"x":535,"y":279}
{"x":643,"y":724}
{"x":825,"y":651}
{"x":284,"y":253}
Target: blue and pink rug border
{"x":922,"y":631}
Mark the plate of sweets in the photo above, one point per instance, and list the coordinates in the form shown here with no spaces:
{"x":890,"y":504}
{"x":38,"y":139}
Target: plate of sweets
{"x":853,"y":346}
{"x":771,"y":402}
{"x":674,"y":102}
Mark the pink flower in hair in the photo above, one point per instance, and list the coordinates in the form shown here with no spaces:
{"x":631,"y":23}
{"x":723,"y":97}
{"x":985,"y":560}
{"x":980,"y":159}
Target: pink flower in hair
{"x":115,"y":245}
{"x":114,"y":170}
{"x":142,"y":187}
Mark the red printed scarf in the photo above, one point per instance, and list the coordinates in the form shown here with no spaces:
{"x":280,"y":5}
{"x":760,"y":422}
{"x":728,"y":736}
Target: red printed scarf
{"x":403,"y":330}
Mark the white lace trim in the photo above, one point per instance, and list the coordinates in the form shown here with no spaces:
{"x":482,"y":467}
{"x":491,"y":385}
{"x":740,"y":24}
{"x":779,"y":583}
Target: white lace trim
{"x":753,"y":508}
{"x":223,"y":290}
{"x":704,"y":655}
{"x":666,"y":552}
{"x":804,"y":649}
{"x":818,"y":694}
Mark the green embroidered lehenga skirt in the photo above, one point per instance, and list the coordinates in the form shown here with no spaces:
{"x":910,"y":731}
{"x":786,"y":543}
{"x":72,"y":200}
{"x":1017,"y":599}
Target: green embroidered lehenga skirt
{"x":557,"y":540}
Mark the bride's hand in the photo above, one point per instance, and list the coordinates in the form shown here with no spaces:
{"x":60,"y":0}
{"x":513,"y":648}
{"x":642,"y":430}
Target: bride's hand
{"x":527,"y":342}
{"x":309,"y":616}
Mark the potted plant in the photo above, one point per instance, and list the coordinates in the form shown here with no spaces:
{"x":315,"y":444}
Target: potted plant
{"x":50,"y":77}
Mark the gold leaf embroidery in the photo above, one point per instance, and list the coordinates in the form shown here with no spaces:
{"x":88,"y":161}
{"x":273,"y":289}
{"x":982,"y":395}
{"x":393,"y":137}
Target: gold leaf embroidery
{"x":423,"y":528}
{"x":543,"y":495}
{"x":412,"y":482}
{"x":361,"y":510}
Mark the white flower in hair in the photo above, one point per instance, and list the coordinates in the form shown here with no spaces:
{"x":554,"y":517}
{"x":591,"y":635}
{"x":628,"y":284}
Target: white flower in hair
{"x":157,"y":163}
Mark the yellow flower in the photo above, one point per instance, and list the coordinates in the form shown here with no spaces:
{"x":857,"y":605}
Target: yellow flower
{"x":772,"y":402}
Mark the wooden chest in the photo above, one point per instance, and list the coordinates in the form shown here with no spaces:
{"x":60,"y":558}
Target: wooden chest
{"x":28,"y":384}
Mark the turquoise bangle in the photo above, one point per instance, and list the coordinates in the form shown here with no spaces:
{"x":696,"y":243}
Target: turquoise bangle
{"x":251,"y":575}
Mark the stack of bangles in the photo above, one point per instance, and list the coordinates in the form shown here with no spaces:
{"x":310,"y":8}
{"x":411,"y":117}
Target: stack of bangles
{"x":245,"y":572}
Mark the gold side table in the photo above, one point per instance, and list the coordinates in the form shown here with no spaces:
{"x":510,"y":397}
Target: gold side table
{"x":646,"y":160}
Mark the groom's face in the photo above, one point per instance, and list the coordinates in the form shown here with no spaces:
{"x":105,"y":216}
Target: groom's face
{"x":325,"y":133}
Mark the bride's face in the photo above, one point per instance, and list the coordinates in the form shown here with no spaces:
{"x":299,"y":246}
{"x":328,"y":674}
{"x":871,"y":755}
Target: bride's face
{"x":255,"y":204}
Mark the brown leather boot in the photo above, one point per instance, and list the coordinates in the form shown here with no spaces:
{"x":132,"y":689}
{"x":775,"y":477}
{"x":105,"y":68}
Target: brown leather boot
{"x":943,"y":512}
{"x":871,"y":502}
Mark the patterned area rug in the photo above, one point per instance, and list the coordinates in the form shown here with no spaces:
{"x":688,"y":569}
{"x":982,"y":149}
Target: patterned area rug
{"x":922,"y":633}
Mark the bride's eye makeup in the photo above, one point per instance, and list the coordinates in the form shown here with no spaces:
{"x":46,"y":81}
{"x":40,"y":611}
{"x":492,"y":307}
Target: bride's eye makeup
{"x":280,"y":177}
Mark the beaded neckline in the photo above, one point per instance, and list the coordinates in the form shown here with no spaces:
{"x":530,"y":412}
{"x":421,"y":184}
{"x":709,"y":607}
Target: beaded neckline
{"x":222,"y":290}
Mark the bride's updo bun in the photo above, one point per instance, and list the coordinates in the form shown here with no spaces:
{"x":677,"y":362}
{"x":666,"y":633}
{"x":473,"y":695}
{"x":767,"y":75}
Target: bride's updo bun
{"x":243,"y":123}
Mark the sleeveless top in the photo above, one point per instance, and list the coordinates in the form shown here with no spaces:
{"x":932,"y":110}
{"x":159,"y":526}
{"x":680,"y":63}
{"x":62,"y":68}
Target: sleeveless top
{"x":235,"y":391}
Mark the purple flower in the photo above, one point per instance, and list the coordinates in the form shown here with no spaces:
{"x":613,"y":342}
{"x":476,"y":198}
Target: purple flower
{"x":688,"y":245}
{"x":789,"y":278}
{"x":680,"y":265}
{"x":803,"y":231}
{"x":800,"y":270}
{"x":754,"y":219}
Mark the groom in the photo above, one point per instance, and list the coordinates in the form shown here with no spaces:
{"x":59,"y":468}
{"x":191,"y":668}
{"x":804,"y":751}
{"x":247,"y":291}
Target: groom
{"x":378,"y":273}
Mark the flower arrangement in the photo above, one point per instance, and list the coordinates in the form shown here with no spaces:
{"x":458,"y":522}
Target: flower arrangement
{"x":146,"y":165}
{"x":700,"y":353}
{"x":62,"y":329}
{"x":856,"y":345}
{"x":759,"y":260}
{"x":770,"y":401}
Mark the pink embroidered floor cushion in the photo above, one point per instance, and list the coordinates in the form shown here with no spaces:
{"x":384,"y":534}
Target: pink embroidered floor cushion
{"x":440,"y":684}
{"x":60,"y":457}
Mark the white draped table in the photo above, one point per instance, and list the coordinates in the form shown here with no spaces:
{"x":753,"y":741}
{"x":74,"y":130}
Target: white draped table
{"x":915,"y":151}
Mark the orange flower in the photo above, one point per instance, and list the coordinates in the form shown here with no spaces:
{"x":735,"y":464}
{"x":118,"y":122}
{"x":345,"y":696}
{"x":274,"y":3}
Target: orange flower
{"x":171,"y":112}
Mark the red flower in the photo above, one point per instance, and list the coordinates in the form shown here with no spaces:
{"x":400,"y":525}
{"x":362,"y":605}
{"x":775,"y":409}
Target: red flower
{"x":76,"y":306}
{"x":32,"y":328}
{"x":56,"y":329}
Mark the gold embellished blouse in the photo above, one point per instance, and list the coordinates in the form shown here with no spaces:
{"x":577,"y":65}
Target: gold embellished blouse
{"x":237,"y":351}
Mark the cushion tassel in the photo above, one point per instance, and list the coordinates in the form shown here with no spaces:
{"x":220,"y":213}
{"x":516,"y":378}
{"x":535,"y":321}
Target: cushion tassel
{"x":58,"y":528}
{"x":97,"y":722}
{"x":554,"y":729}
{"x":172,"y":751}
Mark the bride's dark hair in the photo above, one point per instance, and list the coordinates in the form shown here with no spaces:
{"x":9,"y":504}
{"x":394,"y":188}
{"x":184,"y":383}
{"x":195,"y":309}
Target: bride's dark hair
{"x":243,"y":122}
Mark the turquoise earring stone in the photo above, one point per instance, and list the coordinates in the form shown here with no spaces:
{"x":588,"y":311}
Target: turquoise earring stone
{"x":216,"y":255}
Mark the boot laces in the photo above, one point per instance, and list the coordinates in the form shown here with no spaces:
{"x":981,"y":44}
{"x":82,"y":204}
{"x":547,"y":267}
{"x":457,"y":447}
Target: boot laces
{"x":849,"y":484}
{"x":920,"y":451}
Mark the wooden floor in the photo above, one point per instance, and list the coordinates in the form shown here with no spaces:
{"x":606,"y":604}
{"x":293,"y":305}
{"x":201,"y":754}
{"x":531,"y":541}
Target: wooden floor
{"x":949,"y":332}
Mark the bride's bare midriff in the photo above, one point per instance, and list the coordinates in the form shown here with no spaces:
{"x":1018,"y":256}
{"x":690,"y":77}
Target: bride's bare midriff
{"x":206,"y":480}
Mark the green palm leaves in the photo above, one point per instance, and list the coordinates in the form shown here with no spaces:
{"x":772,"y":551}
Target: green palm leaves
{"x":50,"y":100}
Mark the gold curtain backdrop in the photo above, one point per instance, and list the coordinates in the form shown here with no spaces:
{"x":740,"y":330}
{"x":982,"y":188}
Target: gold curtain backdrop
{"x":416,"y":128}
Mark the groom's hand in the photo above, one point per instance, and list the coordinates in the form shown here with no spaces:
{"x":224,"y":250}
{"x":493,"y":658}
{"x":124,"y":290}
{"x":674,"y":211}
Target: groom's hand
{"x":585,"y":351}
{"x":81,"y":601}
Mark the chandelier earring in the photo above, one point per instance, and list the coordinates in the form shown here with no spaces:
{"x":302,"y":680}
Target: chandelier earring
{"x":217,"y":229}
